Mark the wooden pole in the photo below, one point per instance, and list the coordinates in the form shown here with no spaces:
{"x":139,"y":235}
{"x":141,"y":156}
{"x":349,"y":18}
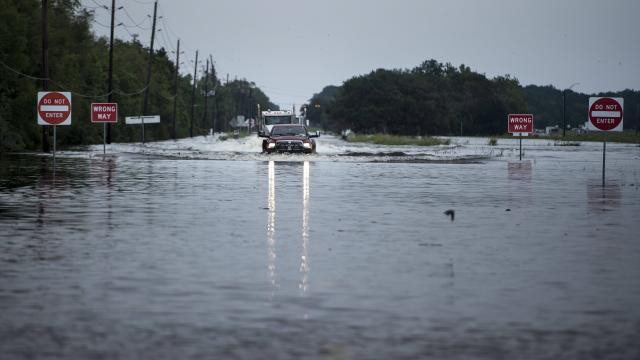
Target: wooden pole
{"x":45,"y":68}
{"x":107,"y":127}
{"x":193,"y":94}
{"x":175,"y":90}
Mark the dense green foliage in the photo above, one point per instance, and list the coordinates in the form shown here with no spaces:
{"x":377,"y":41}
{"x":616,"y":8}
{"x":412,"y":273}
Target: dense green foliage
{"x":431,"y":99}
{"x":78,"y":62}
{"x":439,"y":99}
{"x":545,"y":102}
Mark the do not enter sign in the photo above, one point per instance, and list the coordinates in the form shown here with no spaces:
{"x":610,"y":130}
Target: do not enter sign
{"x":54,"y":108}
{"x":605,"y":114}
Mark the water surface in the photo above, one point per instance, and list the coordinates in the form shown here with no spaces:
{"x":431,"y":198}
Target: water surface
{"x":201,"y":249}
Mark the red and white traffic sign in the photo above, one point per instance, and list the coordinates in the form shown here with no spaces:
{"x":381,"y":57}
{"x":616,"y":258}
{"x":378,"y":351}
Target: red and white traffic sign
{"x":104,"y":112}
{"x":54,"y":108}
{"x":520,"y":123}
{"x":605,"y":113}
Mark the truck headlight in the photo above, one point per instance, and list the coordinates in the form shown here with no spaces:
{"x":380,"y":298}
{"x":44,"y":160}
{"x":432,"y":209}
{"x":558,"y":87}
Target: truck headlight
{"x":271,"y":145}
{"x":307,"y":145}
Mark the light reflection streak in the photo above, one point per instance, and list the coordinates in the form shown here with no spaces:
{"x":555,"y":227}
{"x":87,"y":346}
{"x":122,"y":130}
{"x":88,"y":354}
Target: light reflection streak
{"x":304,"y":268}
{"x":271,"y":223}
{"x":304,"y":259}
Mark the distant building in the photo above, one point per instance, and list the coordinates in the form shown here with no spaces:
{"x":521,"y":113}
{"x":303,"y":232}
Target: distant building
{"x":582,"y":129}
{"x":238,"y":122}
{"x":552,"y":130}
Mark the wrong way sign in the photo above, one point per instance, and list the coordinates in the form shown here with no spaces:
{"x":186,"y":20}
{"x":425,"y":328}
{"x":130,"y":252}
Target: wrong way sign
{"x":605,"y":114}
{"x":104,"y":112}
{"x":520,"y":124}
{"x":54,"y":108}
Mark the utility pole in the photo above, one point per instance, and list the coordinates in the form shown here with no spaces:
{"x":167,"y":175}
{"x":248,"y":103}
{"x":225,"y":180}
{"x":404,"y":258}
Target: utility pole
{"x":148,"y":83}
{"x":215,"y":98}
{"x":175,"y":90}
{"x":193,"y":94}
{"x":206,"y":94}
{"x":107,"y":128}
{"x":45,"y":68}
{"x":564,"y":127}
{"x":637,"y":119}
{"x":564,"y":96}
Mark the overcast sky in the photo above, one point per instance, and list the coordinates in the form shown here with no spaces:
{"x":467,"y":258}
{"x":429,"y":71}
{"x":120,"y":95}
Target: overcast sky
{"x":293,"y":48}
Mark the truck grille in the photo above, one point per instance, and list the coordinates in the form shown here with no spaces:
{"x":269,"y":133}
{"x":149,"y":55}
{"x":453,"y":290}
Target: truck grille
{"x":289,"y":145}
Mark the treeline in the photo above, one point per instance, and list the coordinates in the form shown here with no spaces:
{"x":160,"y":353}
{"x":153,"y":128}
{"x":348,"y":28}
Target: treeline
{"x":440,"y":99}
{"x":78,"y":62}
{"x":545,"y":102}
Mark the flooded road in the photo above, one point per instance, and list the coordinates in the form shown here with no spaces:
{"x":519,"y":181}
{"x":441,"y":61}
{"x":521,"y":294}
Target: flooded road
{"x":208,"y":249}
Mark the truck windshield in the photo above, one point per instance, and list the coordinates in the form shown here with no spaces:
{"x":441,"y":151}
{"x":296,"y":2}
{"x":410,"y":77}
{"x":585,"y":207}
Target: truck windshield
{"x":288,"y":130}
{"x":273,"y":120}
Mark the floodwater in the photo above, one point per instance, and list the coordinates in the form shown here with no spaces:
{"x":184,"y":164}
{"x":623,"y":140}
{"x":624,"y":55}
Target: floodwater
{"x":205,"y":248}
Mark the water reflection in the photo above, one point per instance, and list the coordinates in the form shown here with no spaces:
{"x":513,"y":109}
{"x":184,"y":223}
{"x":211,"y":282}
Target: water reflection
{"x":304,"y":266}
{"x":603,"y":197}
{"x":45,"y":189}
{"x":271,"y":223}
{"x":304,"y":259}
{"x":520,"y":189}
{"x":520,"y":170}
{"x":109,"y":168}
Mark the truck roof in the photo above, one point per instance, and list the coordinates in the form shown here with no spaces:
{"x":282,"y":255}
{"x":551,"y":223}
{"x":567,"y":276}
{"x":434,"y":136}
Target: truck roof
{"x":276,"y":112}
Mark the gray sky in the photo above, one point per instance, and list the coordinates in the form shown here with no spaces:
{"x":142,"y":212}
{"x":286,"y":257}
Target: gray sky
{"x":293,"y":48}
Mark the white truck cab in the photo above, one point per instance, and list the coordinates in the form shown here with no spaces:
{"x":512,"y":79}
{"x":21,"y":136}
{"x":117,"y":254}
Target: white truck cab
{"x":270,"y":118}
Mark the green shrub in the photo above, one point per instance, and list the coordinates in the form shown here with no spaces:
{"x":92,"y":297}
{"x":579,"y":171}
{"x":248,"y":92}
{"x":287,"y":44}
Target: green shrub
{"x":385,"y":139}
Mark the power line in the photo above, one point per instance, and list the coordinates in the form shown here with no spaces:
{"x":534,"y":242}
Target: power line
{"x":166,"y":42}
{"x":134,"y":22}
{"x":63,"y":87}
{"x":100,"y":5}
{"x":101,"y":24}
{"x":129,"y":32}
{"x":170,"y":33}
{"x":21,"y":73}
{"x":167,"y":34}
{"x":165,"y":21}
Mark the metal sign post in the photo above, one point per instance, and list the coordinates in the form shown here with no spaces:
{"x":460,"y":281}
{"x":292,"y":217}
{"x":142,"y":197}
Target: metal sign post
{"x":105,"y":113}
{"x":604,"y":157}
{"x":54,"y":144}
{"x":520,"y":125}
{"x":142,"y":120}
{"x":520,"y":147}
{"x":605,"y":114}
{"x":54,"y":108}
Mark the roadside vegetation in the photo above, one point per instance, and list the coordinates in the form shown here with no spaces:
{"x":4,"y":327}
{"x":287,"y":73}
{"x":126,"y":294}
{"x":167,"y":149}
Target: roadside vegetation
{"x":430,"y":99}
{"x":441,"y":99}
{"x":385,"y":139}
{"x":571,"y":138}
{"x":629,"y":137}
{"x":78,"y":62}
